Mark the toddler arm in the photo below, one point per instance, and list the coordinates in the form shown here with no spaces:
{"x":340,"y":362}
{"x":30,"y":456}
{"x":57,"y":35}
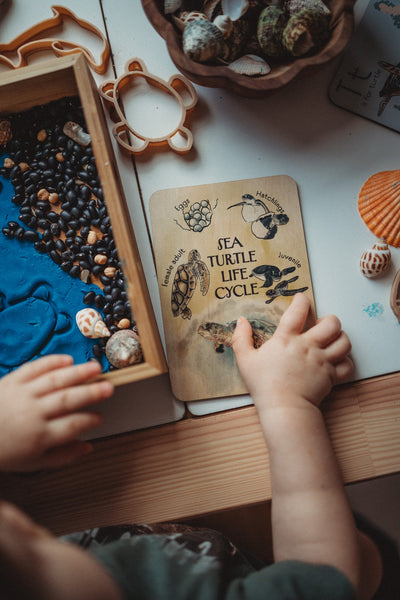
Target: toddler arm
{"x":41,"y":412}
{"x":288,"y":377}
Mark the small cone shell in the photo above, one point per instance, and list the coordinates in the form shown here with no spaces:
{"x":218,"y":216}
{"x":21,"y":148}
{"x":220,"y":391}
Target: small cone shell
{"x":379,"y":205}
{"x":376,"y":260}
{"x":90,"y":323}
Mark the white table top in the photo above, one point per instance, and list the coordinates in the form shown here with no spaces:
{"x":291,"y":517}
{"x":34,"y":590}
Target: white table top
{"x":328,"y":151}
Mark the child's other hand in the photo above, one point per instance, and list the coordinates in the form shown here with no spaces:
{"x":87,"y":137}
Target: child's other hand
{"x":39,"y":412}
{"x":293,"y":365}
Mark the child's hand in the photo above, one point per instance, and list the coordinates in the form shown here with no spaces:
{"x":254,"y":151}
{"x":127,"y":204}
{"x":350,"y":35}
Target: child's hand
{"x":39,"y":412}
{"x":293,"y":365}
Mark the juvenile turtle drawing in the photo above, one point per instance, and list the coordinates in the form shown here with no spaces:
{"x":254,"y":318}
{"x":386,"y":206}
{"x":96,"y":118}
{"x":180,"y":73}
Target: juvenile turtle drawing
{"x":221,"y":334}
{"x":281,"y":289}
{"x":269,"y":273}
{"x":185,"y":282}
{"x":391,"y":87}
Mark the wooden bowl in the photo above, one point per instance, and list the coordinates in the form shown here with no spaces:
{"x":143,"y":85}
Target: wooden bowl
{"x":342,"y":25}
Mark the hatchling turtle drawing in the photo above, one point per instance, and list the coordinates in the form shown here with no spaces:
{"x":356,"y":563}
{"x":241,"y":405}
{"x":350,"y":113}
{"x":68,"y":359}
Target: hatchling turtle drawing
{"x":270,"y":273}
{"x":221,"y":334}
{"x":185,"y":281}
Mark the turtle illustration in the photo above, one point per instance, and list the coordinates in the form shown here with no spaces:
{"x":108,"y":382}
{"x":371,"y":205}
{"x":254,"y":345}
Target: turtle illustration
{"x":391,"y":87}
{"x":281,"y":289}
{"x":185,"y":281}
{"x":221,"y":334}
{"x":270,"y":273}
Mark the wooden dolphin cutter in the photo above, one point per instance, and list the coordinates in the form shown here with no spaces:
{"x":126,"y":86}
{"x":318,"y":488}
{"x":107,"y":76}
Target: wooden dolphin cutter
{"x":179,"y":139}
{"x":32,"y":40}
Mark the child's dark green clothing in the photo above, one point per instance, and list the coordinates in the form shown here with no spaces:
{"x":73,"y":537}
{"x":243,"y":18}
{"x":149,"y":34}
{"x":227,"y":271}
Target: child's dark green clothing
{"x":179,"y":563}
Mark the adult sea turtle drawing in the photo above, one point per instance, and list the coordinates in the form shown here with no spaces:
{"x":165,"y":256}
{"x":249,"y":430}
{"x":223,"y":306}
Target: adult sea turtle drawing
{"x":185,"y":281}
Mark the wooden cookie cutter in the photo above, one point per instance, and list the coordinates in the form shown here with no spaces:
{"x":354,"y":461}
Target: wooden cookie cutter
{"x":25,"y":43}
{"x":180,"y":139}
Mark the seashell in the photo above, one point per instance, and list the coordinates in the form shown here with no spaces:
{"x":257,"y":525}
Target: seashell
{"x":235,"y":9}
{"x":76,"y":133}
{"x":171,"y":6}
{"x":375,"y":261}
{"x":224,"y":24}
{"x":5,"y":132}
{"x":124,"y":349}
{"x":305,"y":31}
{"x":202,"y":41}
{"x":187,"y":16}
{"x":295,"y":6}
{"x":379,"y":205}
{"x":90,"y":323}
{"x":270,"y":26}
{"x":235,"y":43}
{"x":250,"y":65}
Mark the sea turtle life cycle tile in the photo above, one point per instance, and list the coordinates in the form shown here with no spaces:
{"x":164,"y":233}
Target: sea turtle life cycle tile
{"x":224,"y":250}
{"x":367,"y":82}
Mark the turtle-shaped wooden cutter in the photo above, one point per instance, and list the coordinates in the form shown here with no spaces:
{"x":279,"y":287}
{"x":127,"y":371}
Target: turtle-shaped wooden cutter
{"x":179,"y":139}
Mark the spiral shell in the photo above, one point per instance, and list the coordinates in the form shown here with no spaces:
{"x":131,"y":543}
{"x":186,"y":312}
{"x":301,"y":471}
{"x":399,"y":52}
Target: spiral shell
{"x":270,"y":26}
{"x":202,"y":41}
{"x":306,"y":31}
{"x":91,"y":324}
{"x":375,"y":261}
{"x":379,"y":205}
{"x":5,"y":132}
{"x":124,"y":349}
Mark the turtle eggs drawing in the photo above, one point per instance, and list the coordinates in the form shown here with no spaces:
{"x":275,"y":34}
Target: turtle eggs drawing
{"x":198,"y":217}
{"x":184,"y":284}
{"x":91,"y":324}
{"x":124,"y":349}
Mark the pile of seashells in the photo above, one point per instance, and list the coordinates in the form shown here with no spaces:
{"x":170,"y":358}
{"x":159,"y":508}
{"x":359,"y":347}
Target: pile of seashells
{"x":250,"y":35}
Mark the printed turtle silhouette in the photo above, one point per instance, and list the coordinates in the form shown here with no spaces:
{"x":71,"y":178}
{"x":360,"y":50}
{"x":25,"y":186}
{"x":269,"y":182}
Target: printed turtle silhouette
{"x":391,"y":87}
{"x":270,"y":273}
{"x":281,"y":289}
{"x":185,"y":281}
{"x":38,"y":322}
{"x":221,"y":334}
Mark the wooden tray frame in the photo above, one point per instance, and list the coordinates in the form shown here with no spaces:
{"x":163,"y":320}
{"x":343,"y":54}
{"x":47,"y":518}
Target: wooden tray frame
{"x":70,"y":76}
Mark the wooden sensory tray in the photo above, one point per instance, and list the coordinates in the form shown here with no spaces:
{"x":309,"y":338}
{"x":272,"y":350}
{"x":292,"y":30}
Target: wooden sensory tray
{"x":42,"y":83}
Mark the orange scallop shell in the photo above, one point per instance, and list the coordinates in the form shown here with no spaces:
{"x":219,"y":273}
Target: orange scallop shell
{"x":379,"y":205}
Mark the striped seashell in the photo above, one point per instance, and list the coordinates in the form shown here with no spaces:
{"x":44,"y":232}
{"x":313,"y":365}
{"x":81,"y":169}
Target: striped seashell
{"x":379,"y":205}
{"x":250,"y":65}
{"x":91,"y":324}
{"x":202,"y":41}
{"x":376,"y":260}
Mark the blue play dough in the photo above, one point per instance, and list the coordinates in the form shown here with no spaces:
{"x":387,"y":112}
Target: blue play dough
{"x":38,"y":301}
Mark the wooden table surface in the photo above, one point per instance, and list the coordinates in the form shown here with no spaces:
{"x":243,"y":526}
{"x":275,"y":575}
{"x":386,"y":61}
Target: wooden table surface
{"x":219,"y":462}
{"x":203,"y":465}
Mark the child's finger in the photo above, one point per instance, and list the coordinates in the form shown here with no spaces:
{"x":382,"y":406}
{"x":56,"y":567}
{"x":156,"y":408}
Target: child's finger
{"x":343,"y":370}
{"x":65,"y":454}
{"x":242,"y":338}
{"x":338,"y":349}
{"x":40,"y":366}
{"x":295,"y":317}
{"x":325,"y":331}
{"x":66,"y":429}
{"x":65,"y":377}
{"x":75,"y":398}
